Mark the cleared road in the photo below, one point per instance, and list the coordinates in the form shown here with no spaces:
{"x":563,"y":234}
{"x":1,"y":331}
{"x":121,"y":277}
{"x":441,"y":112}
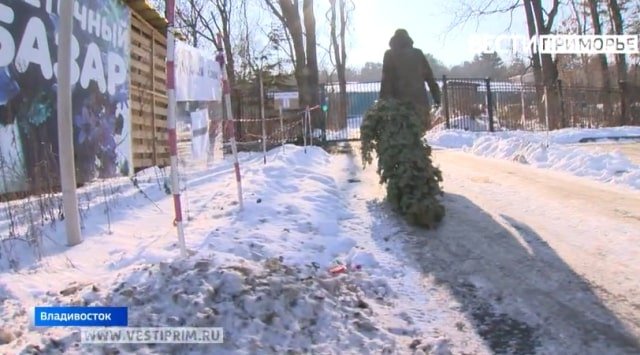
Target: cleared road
{"x":538,"y":261}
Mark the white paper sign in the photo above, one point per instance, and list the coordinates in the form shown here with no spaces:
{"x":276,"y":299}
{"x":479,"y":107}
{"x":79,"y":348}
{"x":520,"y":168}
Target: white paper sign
{"x":197,"y":75}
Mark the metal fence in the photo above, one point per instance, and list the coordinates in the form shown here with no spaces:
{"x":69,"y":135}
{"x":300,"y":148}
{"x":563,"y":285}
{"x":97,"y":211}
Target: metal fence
{"x":486,"y":105}
{"x":475,"y":105}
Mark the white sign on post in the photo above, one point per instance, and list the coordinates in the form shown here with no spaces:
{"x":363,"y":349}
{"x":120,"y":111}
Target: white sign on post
{"x":199,"y":134}
{"x":197,"y":76}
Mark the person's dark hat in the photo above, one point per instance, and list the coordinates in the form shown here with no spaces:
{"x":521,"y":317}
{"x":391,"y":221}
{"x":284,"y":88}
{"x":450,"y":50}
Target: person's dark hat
{"x":400,"y":39}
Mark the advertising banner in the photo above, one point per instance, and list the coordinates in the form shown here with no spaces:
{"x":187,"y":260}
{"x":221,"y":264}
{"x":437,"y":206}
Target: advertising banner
{"x":100,"y":92}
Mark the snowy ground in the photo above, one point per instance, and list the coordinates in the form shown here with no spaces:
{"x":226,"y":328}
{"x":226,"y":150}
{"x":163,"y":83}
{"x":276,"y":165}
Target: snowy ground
{"x":521,"y":263}
{"x":261,"y":273}
{"x":549,"y":254}
{"x":563,"y":153}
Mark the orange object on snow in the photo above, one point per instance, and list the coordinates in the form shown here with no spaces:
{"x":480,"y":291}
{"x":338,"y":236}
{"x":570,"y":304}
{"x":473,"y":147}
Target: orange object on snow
{"x":338,"y":269}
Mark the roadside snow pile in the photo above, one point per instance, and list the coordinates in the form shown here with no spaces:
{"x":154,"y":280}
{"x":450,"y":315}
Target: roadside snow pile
{"x":530,"y":148}
{"x":602,"y":166}
{"x":571,"y":135}
{"x":450,"y":138}
{"x":459,"y":138}
{"x":263,"y":308}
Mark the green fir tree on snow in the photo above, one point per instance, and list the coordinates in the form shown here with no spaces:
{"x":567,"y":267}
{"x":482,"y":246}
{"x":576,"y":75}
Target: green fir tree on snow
{"x":393,"y":130}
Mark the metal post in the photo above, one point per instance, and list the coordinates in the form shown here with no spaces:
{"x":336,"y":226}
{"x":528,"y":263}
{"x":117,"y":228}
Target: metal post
{"x":489,"y":104}
{"x":171,"y":123}
{"x":445,"y":92}
{"x":282,"y":128}
{"x":304,"y":129}
{"x":65,"y":126}
{"x":324,"y":101}
{"x":228,"y":117}
{"x":546,"y":113}
{"x":264,"y":129}
{"x":622,"y":85}
{"x":523,"y":116}
{"x":310,"y":126}
{"x":563,"y":118}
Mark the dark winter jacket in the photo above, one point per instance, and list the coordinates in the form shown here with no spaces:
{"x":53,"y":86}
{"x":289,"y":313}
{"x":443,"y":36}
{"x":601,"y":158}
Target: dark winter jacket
{"x":404,"y":71}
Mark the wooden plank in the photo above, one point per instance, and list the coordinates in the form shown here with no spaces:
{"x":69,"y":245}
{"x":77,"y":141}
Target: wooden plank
{"x":144,"y":149}
{"x":148,"y":96}
{"x":142,"y":80}
{"x":140,"y":163}
{"x":142,"y":53}
{"x":144,"y":110}
{"x":161,"y":111}
{"x":137,"y":134}
{"x":141,"y":23}
{"x":144,"y":38}
{"x":142,"y":121}
{"x":140,"y":67}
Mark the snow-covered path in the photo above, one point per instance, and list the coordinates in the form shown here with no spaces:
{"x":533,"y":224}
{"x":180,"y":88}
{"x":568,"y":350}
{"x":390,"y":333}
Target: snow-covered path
{"x":526,"y":261}
{"x":431,"y":310}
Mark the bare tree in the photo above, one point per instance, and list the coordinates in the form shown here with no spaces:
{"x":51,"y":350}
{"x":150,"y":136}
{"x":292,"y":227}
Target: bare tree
{"x":621,"y":60}
{"x":602,"y":58}
{"x":188,"y":23}
{"x":205,"y":19}
{"x":338,"y":44}
{"x":544,"y":67}
{"x":301,"y":27}
{"x":549,"y":66}
{"x":597,"y":30}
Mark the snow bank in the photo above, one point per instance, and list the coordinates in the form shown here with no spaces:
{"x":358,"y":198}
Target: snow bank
{"x":530,"y":148}
{"x":458,"y":138}
{"x":612,"y":167}
{"x":263,"y":308}
{"x":260,"y":273}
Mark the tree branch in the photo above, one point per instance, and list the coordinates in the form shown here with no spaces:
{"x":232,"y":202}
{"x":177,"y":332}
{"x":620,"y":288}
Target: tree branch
{"x":552,"y":15}
{"x":275,"y":11}
{"x":491,"y":7}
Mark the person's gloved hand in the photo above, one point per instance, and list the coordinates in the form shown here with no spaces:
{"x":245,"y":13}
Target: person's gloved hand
{"x":436,"y":102}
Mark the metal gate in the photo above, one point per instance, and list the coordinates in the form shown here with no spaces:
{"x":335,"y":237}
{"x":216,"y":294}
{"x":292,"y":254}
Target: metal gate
{"x":360,"y":97}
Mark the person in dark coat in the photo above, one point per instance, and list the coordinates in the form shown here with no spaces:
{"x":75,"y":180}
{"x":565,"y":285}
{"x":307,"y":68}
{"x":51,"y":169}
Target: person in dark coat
{"x":404,"y":72}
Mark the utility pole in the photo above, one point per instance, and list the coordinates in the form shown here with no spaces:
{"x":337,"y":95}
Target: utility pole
{"x":65,"y":126}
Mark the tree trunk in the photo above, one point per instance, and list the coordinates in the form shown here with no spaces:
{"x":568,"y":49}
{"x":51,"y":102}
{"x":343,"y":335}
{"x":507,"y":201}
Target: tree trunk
{"x":549,"y":70}
{"x":536,"y":65}
{"x":312,"y":61}
{"x":602,"y":58}
{"x":304,"y":48}
{"x":621,"y":61}
{"x":342,"y":70}
{"x":340,"y":56}
{"x":292,"y":21}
